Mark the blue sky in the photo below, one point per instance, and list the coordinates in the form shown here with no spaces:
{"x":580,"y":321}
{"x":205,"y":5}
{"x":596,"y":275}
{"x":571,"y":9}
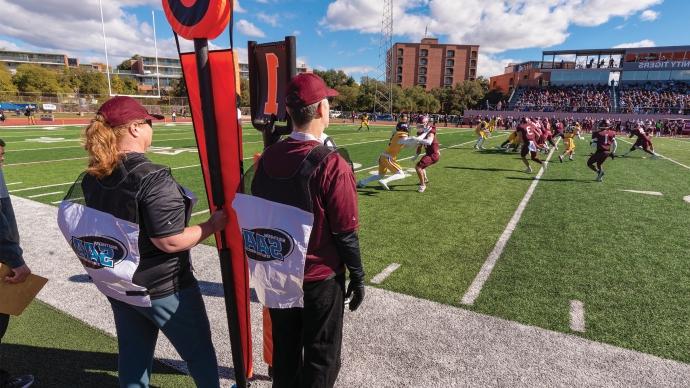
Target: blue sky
{"x":344,"y":34}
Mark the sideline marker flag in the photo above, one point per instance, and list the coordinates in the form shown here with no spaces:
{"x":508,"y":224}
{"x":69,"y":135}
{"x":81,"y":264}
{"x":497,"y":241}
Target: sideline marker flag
{"x":210,"y":77}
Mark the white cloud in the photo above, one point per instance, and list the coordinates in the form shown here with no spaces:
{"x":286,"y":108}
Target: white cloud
{"x":497,"y":25}
{"x":249,"y":29}
{"x":271,"y":20}
{"x":641,"y":43}
{"x":350,"y":70}
{"x":262,"y":1}
{"x":649,"y":15}
{"x":302,"y":61}
{"x":489,"y":66}
{"x":237,"y":7}
{"x":296,"y":32}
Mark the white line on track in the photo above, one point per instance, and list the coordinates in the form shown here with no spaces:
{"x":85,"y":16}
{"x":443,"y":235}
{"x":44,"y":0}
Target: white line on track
{"x":40,"y":187}
{"x":664,"y":157}
{"x":577,"y":316}
{"x":44,"y":194}
{"x":378,"y":279}
{"x":643,"y":192}
{"x":199,"y":212}
{"x":484,"y":273}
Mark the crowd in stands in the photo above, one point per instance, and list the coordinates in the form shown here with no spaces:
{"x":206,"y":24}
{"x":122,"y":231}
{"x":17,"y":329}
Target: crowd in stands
{"x":575,"y":98}
{"x":673,"y":97}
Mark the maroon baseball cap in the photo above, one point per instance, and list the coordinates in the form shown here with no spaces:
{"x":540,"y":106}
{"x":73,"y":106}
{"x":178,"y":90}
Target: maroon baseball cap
{"x":306,"y":89}
{"x":121,"y":110}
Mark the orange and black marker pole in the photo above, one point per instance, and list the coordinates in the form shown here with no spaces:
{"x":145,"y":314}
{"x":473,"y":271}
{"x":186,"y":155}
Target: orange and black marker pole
{"x":199,"y":21}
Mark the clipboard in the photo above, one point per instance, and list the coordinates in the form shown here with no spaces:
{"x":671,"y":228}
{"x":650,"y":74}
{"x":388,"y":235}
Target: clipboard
{"x":15,"y":297}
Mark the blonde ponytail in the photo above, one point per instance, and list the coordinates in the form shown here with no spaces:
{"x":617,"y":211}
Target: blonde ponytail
{"x":100,"y":141}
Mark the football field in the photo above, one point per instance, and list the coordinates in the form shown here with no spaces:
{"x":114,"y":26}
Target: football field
{"x":606,"y":261}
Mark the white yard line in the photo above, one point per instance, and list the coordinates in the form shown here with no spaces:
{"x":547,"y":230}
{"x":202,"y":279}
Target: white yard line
{"x":44,"y":194}
{"x":13,"y":183}
{"x":577,"y":316}
{"x":378,"y":279}
{"x":664,"y":157}
{"x":643,"y":192}
{"x":484,"y":273}
{"x":199,"y":212}
{"x":40,"y":187}
{"x":45,"y":161}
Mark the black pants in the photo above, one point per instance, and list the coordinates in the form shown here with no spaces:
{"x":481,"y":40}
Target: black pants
{"x":4,"y":321}
{"x":316,"y":330}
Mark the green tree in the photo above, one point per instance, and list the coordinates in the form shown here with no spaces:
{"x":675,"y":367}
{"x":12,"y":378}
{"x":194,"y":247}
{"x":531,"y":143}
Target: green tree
{"x":123,"y":85}
{"x":36,"y":79}
{"x":347,"y":100}
{"x":335,"y":78}
{"x":127,"y":63}
{"x":244,"y":92}
{"x":7,"y":88}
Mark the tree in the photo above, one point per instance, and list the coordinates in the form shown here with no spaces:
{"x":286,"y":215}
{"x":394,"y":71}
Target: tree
{"x":347,"y":100}
{"x":36,"y":79}
{"x":244,"y":92}
{"x":335,"y":78}
{"x":7,"y":88}
{"x":127,"y":63}
{"x":123,"y":85}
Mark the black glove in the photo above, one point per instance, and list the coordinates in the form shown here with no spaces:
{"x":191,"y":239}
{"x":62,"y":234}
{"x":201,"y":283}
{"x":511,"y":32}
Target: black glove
{"x":347,"y":245}
{"x":355,"y":292}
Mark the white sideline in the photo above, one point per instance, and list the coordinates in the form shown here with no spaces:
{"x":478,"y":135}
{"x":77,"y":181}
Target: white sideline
{"x":664,"y":157}
{"x":40,"y":187}
{"x":483,"y":275}
{"x":577,"y":316}
{"x":378,"y":279}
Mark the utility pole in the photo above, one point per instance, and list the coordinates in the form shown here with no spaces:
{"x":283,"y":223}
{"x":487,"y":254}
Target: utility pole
{"x":383,"y":95}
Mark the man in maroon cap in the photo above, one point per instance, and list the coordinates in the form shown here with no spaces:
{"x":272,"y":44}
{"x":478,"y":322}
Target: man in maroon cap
{"x":302,"y":172}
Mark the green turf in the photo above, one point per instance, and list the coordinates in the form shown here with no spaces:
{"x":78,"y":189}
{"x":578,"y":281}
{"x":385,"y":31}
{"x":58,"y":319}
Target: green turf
{"x":61,"y":351}
{"x":622,"y":254}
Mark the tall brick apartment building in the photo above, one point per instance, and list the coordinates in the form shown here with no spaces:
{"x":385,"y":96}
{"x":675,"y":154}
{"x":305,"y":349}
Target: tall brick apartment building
{"x":432,"y":65}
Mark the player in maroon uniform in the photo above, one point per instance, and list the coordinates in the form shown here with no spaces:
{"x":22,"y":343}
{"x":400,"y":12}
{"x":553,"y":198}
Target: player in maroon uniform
{"x":643,"y":141}
{"x":605,"y":140}
{"x":427,"y":138}
{"x":546,"y":136}
{"x":527,"y":133}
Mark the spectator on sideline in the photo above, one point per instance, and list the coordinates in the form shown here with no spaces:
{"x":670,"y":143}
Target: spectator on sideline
{"x":174,"y":116}
{"x":11,"y":255}
{"x":307,"y":340}
{"x":29,"y":113}
{"x":159,"y":292}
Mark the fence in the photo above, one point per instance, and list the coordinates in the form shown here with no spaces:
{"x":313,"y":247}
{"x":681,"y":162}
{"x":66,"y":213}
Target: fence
{"x":89,"y":103}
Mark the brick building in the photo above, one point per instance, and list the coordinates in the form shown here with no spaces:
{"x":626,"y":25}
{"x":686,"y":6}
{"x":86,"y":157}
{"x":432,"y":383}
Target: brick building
{"x":432,"y":65}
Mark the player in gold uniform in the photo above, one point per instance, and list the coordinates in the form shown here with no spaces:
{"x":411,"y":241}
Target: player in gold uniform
{"x":481,"y":132}
{"x":569,"y":141}
{"x":364,"y":121}
{"x":388,"y":159}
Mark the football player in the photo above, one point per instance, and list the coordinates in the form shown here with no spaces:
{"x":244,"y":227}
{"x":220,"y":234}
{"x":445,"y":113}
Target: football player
{"x":427,"y":137}
{"x":643,"y":141}
{"x":364,"y":121}
{"x":605,"y":140}
{"x":569,"y":141}
{"x":527,"y":134}
{"x":481,"y":132}
{"x":388,"y":159}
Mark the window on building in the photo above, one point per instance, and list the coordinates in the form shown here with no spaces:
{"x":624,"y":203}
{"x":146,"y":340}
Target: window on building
{"x":448,"y":80}
{"x":450,"y":62}
{"x":400,"y":61}
{"x":473,"y":63}
{"x":473,"y":73}
{"x":474,"y":55}
{"x":423,"y":61}
{"x":450,"y":53}
{"x":449,"y":71}
{"x":400,"y":70}
{"x":400,"y":52}
{"x":422,"y":70}
{"x":423,"y":53}
{"x":422,"y":80}
{"x":399,"y":80}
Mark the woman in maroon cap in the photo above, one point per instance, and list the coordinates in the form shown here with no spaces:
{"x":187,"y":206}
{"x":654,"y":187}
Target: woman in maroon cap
{"x":127,"y":218}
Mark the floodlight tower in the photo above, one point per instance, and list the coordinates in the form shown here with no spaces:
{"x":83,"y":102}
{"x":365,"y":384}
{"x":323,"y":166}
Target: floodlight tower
{"x":383,"y":96}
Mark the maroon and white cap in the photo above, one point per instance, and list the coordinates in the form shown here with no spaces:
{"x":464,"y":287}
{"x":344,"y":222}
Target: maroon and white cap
{"x":121,"y":110}
{"x":306,"y":89}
